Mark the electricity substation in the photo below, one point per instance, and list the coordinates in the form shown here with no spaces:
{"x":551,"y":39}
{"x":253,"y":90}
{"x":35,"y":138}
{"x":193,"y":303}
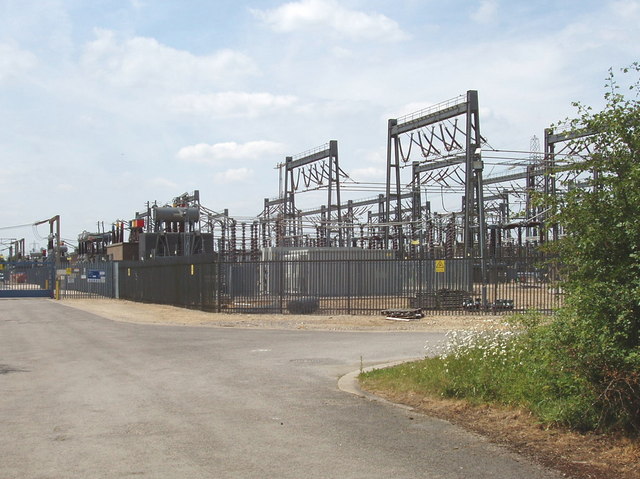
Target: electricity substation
{"x":455,"y":226}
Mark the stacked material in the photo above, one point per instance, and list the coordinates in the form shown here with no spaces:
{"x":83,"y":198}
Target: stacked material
{"x":440,"y":299}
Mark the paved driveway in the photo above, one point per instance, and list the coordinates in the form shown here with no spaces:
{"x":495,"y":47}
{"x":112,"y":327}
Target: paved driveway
{"x":85,"y":397}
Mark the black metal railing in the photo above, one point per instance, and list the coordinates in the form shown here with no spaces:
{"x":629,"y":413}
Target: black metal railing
{"x":326,"y":285}
{"x":86,"y":280}
{"x":26,"y":279}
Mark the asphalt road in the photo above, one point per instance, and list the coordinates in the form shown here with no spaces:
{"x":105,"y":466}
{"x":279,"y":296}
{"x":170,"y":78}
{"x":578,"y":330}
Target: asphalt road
{"x":85,"y":397}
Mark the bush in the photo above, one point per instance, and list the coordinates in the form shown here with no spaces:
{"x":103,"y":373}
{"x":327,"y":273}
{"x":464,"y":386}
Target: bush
{"x":582,"y":368}
{"x":519,"y":367}
{"x":598,"y":332}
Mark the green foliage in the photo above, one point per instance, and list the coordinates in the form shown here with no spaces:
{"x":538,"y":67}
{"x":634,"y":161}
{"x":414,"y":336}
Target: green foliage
{"x":424,"y":376}
{"x":517,"y":368}
{"x":582,"y":368}
{"x":598,"y":332}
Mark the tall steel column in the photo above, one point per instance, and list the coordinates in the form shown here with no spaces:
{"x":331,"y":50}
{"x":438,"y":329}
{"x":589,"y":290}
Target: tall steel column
{"x":572,"y":148}
{"x":474,"y":207}
{"x":436,"y":135}
{"x":317,"y":168}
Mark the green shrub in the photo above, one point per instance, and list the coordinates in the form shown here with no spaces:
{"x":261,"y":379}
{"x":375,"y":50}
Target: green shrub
{"x":517,"y":367}
{"x":582,"y":368}
{"x":598,"y":332}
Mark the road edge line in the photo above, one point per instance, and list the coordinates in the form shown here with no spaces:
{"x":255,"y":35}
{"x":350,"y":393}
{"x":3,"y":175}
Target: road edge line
{"x":349,"y":383}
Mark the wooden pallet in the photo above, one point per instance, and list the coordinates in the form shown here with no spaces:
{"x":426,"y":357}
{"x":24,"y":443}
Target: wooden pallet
{"x":400,"y":314}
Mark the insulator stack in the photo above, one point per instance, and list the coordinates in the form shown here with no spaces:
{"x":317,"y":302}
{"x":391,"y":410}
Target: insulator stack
{"x":279,"y":232}
{"x":244,"y":241}
{"x":450,"y":238}
{"x":223,"y":240}
{"x":265,"y":237}
{"x":232,"y":242}
{"x":430,"y":238}
{"x":255,"y":251}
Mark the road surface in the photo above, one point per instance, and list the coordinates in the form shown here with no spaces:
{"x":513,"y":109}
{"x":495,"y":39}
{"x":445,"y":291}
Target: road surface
{"x":86,"y":397}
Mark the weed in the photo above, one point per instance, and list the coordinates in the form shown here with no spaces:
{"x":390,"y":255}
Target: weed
{"x":515,"y":367}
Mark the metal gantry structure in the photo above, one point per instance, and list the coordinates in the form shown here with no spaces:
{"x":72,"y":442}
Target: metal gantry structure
{"x":15,"y":248}
{"x":55,"y":246}
{"x":311,"y":170}
{"x":446,"y":138}
{"x":438,"y":201}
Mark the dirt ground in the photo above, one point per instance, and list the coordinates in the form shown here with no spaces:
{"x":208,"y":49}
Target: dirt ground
{"x":575,"y":455}
{"x":579,"y":456}
{"x":129,"y":311}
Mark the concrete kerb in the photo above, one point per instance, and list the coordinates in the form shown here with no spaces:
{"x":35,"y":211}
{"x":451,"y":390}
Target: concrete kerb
{"x":349,"y":383}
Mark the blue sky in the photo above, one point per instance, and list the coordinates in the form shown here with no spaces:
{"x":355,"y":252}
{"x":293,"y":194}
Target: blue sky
{"x":105,"y":105}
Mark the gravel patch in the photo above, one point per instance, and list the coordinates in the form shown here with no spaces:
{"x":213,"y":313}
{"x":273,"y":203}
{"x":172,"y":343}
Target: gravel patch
{"x":143,"y":313}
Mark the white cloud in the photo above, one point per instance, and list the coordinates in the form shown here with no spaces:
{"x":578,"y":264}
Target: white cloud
{"x":141,"y":61}
{"x":162,"y":183}
{"x":231,"y":104}
{"x":370,"y":173}
{"x":253,"y":150}
{"x":76,"y":109}
{"x":341,"y":53}
{"x":63,"y":187}
{"x":330,"y":14}
{"x":236,"y":175}
{"x":620,"y":27}
{"x":372,"y":166}
{"x":14,"y":61}
{"x":486,"y":12}
{"x":626,"y":8}
{"x":409,"y":109}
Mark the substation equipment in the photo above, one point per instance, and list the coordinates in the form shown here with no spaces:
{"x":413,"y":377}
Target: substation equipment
{"x":438,"y":201}
{"x":172,"y":229}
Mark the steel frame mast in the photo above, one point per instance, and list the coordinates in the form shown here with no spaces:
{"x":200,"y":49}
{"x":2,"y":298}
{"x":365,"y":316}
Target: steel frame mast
{"x":443,"y":145}
{"x":327,"y":173}
{"x":568,"y":149}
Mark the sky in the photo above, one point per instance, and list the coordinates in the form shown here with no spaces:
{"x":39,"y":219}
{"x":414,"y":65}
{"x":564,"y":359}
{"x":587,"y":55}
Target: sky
{"x":106,"y":105}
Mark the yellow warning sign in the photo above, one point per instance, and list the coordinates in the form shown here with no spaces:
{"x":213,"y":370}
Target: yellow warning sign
{"x":440,"y":266}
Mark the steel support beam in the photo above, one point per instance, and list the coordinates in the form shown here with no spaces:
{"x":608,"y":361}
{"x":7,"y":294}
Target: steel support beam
{"x":435,"y":165}
{"x":430,"y":119}
{"x":442,"y":139}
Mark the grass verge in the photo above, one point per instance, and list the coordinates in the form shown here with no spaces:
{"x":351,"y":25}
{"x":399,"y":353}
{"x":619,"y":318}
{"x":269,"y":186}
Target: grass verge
{"x":513,"y":377}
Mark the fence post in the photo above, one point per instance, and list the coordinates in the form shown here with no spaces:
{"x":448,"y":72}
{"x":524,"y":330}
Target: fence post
{"x":418,"y":293}
{"x":349,"y":273}
{"x":494,"y":277}
{"x":281,"y":274}
{"x":217,"y":292}
{"x":115,"y":270}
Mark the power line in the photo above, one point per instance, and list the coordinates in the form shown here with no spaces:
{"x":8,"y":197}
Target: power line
{"x":15,"y":227}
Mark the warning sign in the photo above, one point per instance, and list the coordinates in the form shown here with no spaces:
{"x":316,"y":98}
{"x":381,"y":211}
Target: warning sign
{"x":96,"y":276}
{"x":440,"y":266}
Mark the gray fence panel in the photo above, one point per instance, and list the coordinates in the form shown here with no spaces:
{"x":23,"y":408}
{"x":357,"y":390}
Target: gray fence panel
{"x":86,"y":280}
{"x":21,"y":279}
{"x":339,"y":284}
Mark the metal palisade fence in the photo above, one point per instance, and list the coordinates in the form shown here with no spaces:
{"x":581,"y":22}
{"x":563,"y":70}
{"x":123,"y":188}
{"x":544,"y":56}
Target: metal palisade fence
{"x":26,"y":279}
{"x":87,"y":280}
{"x":191,"y":282}
{"x":326,"y":282}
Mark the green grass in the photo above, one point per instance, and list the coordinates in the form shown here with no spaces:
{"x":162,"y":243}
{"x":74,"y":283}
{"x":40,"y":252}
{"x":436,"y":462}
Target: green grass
{"x":518,"y":368}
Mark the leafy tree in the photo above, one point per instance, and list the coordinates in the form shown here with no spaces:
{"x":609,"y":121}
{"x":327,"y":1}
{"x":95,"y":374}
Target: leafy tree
{"x":598,"y":331}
